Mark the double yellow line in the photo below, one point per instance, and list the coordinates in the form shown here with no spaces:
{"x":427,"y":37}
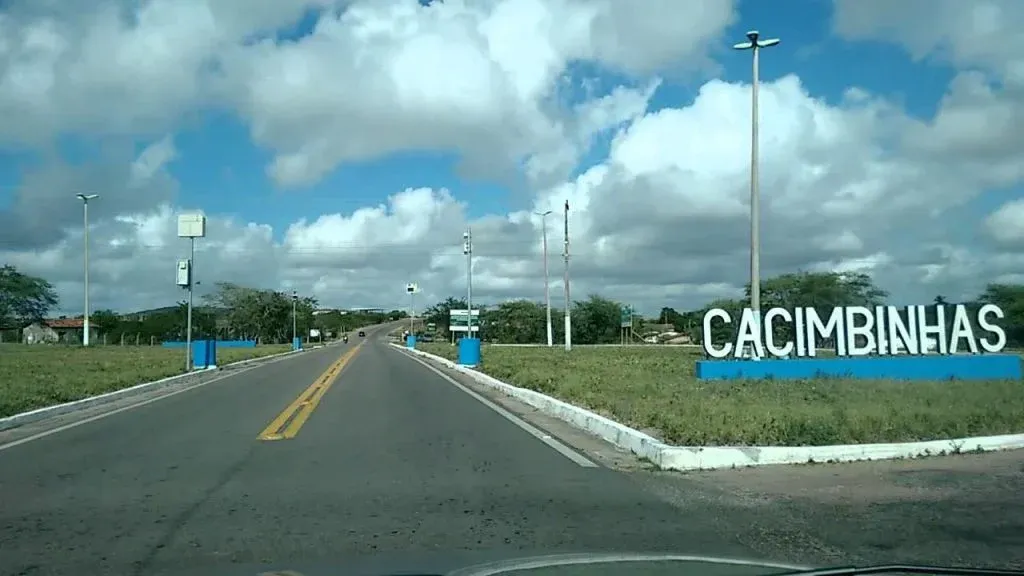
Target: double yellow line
{"x":290,"y":421}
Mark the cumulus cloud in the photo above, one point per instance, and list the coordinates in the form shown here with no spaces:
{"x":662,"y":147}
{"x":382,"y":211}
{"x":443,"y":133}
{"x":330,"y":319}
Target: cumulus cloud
{"x":850,"y":184}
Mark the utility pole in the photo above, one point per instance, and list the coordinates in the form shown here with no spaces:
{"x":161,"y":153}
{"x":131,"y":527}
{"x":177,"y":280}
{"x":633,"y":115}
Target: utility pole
{"x":85,"y":235}
{"x":755,"y":44}
{"x":467,"y":249}
{"x":568,"y":312}
{"x":547,"y":281}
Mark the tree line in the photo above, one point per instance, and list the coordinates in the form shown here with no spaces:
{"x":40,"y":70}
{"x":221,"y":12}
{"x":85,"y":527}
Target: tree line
{"x":596,"y":320}
{"x":230,"y":312}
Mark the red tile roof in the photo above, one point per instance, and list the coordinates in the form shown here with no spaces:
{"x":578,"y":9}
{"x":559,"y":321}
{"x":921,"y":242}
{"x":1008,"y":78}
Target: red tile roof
{"x":64,"y":322}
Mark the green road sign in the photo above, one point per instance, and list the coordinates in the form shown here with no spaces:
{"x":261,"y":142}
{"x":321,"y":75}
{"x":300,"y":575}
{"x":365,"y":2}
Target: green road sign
{"x":626,"y":319}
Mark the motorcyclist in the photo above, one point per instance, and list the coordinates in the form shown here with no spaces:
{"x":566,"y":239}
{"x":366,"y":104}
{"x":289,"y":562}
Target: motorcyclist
{"x":345,"y":338}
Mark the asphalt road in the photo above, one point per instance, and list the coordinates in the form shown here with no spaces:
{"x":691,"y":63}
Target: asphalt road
{"x":390,"y":468}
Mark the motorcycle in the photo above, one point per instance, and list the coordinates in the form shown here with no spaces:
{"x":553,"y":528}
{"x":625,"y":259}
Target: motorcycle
{"x":345,"y":339}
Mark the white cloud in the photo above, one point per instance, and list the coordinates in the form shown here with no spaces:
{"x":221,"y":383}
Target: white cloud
{"x":663,"y":220}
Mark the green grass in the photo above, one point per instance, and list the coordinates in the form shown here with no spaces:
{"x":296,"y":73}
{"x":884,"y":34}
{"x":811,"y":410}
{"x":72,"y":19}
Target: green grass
{"x":654,"y":389}
{"x":36,"y":376}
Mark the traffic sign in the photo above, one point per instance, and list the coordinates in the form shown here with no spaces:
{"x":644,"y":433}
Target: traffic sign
{"x":626,"y":317}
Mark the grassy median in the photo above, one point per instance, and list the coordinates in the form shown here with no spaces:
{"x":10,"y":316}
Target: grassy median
{"x":36,"y":376}
{"x":654,"y":389}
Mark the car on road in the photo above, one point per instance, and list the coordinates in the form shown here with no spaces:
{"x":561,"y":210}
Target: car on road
{"x":362,"y":333}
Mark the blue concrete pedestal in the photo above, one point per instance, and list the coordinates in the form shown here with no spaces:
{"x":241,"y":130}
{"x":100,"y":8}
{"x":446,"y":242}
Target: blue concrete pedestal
{"x":204,"y":354}
{"x":296,"y":344}
{"x":410,"y":341}
{"x":927,"y":367}
{"x":469,"y":352}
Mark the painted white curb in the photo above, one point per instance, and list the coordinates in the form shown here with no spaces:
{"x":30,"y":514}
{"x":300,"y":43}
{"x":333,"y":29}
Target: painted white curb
{"x":16,"y":420}
{"x":668,"y":457}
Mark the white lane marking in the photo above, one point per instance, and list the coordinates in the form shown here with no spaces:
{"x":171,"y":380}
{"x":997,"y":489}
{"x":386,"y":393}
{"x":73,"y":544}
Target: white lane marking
{"x":529,"y":428}
{"x":103,"y":415}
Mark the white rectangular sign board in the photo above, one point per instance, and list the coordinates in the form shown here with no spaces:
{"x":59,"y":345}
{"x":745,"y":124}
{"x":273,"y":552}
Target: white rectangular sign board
{"x":457,"y":321}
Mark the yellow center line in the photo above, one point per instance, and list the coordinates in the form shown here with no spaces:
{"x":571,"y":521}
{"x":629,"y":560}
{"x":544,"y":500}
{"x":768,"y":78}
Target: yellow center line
{"x":288,"y":422}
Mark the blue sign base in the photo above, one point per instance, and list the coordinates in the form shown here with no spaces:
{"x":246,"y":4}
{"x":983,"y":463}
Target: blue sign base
{"x":932,"y":367}
{"x":469,"y":352}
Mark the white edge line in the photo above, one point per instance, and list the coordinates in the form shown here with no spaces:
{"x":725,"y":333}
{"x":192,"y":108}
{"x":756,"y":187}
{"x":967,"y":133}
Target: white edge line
{"x":686,"y":458}
{"x":544,"y":437}
{"x":272,"y":359}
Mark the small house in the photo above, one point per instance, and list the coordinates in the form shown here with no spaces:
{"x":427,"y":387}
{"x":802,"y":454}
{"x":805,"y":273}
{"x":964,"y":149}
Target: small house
{"x":37,"y":333}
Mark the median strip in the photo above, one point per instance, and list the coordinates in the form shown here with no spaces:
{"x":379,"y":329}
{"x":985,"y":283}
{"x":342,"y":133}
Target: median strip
{"x":290,"y":421}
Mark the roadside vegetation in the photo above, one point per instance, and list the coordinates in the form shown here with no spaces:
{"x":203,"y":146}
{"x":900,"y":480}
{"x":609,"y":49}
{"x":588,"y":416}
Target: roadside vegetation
{"x":654,"y":389}
{"x":36,"y":376}
{"x":126,"y":348}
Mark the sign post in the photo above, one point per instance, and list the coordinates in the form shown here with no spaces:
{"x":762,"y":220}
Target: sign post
{"x":626,"y":325}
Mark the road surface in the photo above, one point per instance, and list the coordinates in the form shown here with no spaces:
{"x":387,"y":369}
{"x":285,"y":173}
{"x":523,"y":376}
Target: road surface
{"x":393,"y":461}
{"x":387,"y":467}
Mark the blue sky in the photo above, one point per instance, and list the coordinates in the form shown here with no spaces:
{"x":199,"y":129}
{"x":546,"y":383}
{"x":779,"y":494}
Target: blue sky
{"x":830,"y":178}
{"x":222,"y":171}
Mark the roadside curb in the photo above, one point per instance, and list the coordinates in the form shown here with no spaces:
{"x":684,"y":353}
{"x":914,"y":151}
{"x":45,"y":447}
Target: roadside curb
{"x":688,"y":458}
{"x":45,"y":412}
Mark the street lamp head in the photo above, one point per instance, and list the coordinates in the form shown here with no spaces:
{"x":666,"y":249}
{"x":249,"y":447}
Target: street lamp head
{"x":86,"y":197}
{"x":752,"y":35}
{"x":542,"y":214}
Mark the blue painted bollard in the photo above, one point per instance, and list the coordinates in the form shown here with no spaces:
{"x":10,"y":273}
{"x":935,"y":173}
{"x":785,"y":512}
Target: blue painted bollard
{"x":204,"y":354}
{"x":410,"y":341}
{"x":296,"y":343}
{"x":469,"y":352}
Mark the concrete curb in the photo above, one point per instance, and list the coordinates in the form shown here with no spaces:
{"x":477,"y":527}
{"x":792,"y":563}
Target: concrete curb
{"x":683,"y":458}
{"x":45,"y":412}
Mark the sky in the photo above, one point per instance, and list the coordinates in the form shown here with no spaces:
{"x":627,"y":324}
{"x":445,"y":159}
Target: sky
{"x":341,"y":148}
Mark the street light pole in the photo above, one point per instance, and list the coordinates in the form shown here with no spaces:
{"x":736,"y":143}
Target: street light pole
{"x":755,"y":44}
{"x":85,"y":228}
{"x":547,"y":282}
{"x":295,"y":299}
{"x":467,"y":249}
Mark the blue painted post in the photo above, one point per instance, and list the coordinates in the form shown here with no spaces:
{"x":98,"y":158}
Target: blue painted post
{"x":204,"y":354}
{"x":297,"y":343}
{"x":410,"y":341}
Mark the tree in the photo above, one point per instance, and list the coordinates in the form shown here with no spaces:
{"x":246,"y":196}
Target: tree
{"x":439,"y":314}
{"x":517,"y":322}
{"x":1010,"y":299}
{"x":24,"y":298}
{"x":265,"y":315}
{"x":596,"y":320}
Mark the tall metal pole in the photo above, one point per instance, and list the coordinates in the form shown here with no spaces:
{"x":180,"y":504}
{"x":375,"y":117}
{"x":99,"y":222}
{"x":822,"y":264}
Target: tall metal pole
{"x":191,"y":286}
{"x":547,"y":281}
{"x":568,"y":312}
{"x":755,"y":44}
{"x":467,"y":248}
{"x":85,"y":236}
{"x":85,"y":317}
{"x":412,"y":311}
{"x":295,"y":332}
